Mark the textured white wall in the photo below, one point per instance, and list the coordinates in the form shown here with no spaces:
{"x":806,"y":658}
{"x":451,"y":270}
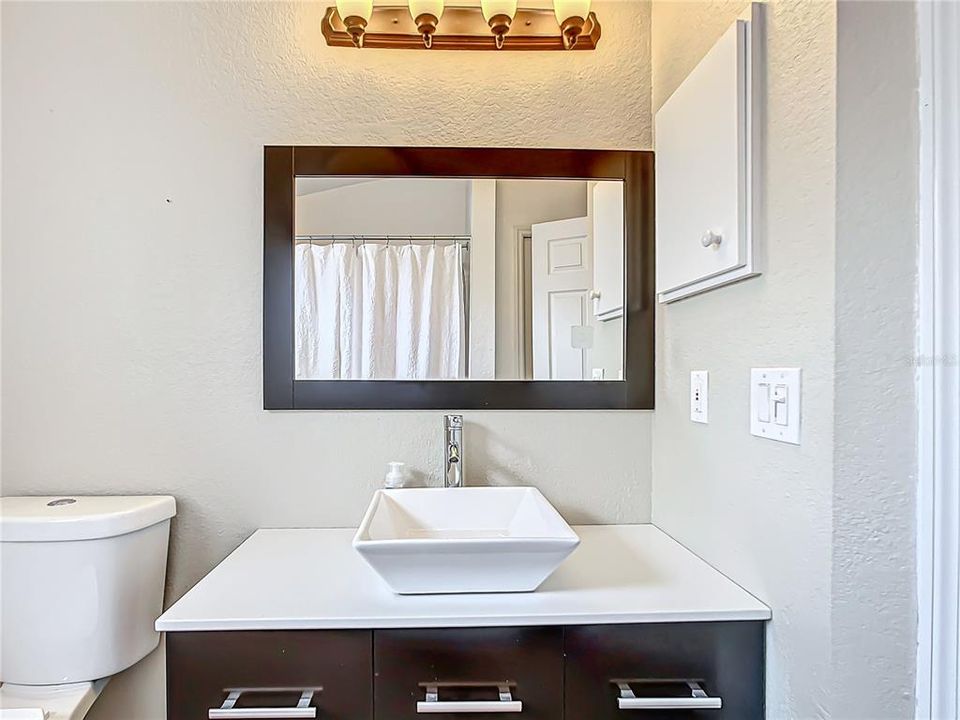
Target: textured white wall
{"x":874,"y":616}
{"x":823,"y":532}
{"x":132,"y":164}
{"x":758,"y":510}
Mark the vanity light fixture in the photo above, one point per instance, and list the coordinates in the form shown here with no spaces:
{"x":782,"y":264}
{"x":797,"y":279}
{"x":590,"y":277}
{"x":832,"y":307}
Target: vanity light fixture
{"x":356,"y":15}
{"x":572,"y":16}
{"x":499,"y":15}
{"x":495,"y":25}
{"x":426,"y":14}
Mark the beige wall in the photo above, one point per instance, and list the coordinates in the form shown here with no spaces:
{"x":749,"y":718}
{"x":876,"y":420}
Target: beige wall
{"x":874,"y":616}
{"x":758,"y":510}
{"x":822,"y":532}
{"x":132,"y":246}
{"x":483,"y":279}
{"x":520,"y":204}
{"x":131,"y":302}
{"x":391,"y":206}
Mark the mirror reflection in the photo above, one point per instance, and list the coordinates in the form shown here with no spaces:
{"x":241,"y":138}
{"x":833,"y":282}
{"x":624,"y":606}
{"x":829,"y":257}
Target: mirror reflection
{"x":453,"y":279}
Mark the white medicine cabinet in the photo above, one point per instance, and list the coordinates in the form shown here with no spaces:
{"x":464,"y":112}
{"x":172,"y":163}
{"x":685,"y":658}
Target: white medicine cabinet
{"x":707,"y":168}
{"x":606,"y":213}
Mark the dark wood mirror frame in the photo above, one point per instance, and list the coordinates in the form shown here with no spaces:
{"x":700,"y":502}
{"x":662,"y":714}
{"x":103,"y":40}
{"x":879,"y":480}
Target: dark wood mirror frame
{"x":283,"y":164}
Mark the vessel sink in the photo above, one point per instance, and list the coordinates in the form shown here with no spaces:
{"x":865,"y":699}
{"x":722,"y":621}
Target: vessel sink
{"x":463,"y":540}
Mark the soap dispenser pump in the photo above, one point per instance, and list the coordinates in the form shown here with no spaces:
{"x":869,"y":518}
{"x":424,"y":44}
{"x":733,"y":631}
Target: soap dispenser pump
{"x":396,"y":476}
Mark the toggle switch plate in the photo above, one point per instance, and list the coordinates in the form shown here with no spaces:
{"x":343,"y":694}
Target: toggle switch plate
{"x":699,"y":396}
{"x":775,"y":404}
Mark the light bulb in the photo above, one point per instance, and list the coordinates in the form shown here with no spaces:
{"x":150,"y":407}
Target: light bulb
{"x":426,"y":7}
{"x":565,"y":9}
{"x":426,"y":14}
{"x":355,"y":15}
{"x":572,"y":16}
{"x":499,"y":14}
{"x":355,"y":8}
{"x":491,"y":8}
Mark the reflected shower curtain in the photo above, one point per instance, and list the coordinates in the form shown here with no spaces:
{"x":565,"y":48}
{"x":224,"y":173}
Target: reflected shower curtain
{"x":379,"y":311}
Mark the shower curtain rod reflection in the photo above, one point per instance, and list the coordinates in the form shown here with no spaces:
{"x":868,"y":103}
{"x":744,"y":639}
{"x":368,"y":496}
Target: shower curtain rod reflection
{"x":387,"y":239}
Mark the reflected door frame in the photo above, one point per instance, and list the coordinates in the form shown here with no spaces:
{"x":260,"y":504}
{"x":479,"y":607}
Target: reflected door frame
{"x":523,"y":241}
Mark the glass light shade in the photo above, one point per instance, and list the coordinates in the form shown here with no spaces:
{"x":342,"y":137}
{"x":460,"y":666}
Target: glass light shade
{"x":428,"y":7}
{"x":355,"y":8}
{"x":498,"y":7}
{"x":564,"y":9}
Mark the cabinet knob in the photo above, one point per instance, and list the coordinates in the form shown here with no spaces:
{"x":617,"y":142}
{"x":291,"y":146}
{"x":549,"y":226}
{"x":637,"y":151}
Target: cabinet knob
{"x":594,"y":294}
{"x":711,"y":238}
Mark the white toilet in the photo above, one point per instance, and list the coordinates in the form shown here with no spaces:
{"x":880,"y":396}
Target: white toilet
{"x":81,"y":584}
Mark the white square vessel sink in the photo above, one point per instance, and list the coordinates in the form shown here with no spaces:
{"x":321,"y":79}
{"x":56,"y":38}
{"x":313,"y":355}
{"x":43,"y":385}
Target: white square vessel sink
{"x":463,"y":540}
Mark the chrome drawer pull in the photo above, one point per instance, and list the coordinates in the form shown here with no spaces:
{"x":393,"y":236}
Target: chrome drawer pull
{"x":697,"y":700}
{"x":433,"y":704}
{"x":229,"y":711}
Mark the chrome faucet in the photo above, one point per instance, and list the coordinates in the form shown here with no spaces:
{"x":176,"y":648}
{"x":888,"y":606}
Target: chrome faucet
{"x":453,"y":451}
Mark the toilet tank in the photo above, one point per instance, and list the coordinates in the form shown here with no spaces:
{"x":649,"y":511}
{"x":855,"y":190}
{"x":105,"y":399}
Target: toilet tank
{"x":81,"y":584}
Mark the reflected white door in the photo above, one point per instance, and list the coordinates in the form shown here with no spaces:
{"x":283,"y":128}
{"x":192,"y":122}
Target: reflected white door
{"x":562,"y":277}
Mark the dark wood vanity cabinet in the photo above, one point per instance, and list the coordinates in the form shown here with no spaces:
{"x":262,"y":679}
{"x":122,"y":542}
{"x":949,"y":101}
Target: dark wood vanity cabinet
{"x":272,"y":668}
{"x":724,"y":659}
{"x":554,"y":673}
{"x":470,"y":664}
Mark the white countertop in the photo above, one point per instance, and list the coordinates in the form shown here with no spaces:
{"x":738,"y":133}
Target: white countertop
{"x":314,"y":579}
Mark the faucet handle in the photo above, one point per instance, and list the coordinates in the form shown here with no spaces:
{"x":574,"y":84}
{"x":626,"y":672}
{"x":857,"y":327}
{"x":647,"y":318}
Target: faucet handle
{"x":452,"y":421}
{"x":453,"y":453}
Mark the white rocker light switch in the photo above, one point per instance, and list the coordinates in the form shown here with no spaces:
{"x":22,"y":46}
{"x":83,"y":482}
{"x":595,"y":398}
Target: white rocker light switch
{"x":775,"y":404}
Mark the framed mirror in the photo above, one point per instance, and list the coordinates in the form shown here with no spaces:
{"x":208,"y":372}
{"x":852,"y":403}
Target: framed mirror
{"x":458,"y":278}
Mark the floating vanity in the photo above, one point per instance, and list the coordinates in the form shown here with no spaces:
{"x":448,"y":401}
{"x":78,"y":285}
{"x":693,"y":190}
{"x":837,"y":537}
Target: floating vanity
{"x":295,"y":624}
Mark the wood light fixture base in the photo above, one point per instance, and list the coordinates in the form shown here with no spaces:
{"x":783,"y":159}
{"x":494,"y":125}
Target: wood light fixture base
{"x":459,"y":29}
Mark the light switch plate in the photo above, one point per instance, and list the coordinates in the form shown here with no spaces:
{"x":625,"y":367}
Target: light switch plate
{"x":775,"y":404}
{"x":699,"y":396}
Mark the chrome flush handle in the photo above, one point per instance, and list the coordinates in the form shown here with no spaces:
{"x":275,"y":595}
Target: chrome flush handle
{"x":432,"y":704}
{"x":303,"y":709}
{"x":695,"y":698}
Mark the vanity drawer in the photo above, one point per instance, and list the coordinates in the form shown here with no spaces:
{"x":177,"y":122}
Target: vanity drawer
{"x":469,"y":665}
{"x":725,"y":659}
{"x":202,"y":667}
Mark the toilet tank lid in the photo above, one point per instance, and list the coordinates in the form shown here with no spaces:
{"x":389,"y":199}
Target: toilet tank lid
{"x":78,"y":517}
